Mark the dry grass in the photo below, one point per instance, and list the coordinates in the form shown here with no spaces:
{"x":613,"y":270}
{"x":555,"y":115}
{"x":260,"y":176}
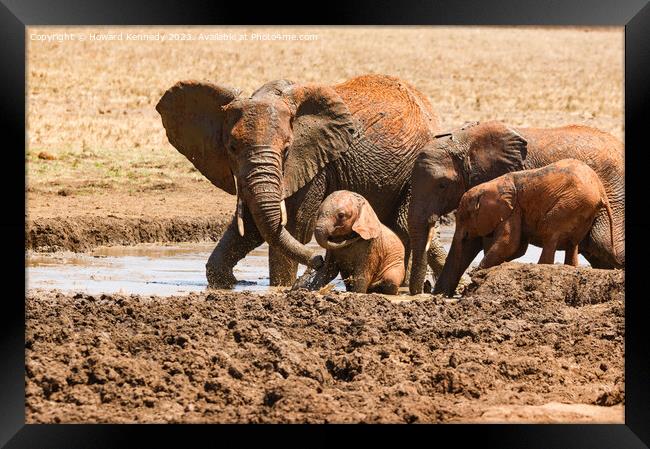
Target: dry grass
{"x":91,"y":104}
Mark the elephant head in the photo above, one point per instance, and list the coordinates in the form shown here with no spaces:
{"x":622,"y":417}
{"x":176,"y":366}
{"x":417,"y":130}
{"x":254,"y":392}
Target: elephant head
{"x":262,"y":149}
{"x":453,"y":163}
{"x":344,"y":218}
{"x":481,"y":210}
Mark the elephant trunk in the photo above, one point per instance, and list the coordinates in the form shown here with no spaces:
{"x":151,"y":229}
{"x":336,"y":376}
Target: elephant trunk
{"x":461,"y":254}
{"x":420,"y":235}
{"x":421,"y":232}
{"x":262,"y":184}
{"x":321,"y":234}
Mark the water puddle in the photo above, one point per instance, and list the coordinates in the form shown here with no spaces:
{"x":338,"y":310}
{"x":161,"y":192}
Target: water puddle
{"x":156,"y":269}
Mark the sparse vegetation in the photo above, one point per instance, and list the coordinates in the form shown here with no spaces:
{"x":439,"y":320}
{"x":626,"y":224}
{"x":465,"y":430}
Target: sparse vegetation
{"x":91,"y":104}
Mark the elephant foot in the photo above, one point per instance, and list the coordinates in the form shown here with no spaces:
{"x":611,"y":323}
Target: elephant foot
{"x":464,"y":282}
{"x":220,"y":279}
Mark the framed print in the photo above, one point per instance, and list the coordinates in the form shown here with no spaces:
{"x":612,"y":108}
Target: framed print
{"x":406,"y":214}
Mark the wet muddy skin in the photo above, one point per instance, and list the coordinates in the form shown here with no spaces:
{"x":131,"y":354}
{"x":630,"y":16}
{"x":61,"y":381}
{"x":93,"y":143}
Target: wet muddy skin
{"x":155,"y":269}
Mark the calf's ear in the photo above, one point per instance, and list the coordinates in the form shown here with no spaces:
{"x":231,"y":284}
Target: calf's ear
{"x":495,"y":206}
{"x":367,"y":225}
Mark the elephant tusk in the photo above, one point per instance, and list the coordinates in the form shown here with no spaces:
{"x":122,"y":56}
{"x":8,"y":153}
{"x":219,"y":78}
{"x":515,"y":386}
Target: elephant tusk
{"x":240,"y":216}
{"x":429,"y":237}
{"x":283,"y":212}
{"x":239,"y":211}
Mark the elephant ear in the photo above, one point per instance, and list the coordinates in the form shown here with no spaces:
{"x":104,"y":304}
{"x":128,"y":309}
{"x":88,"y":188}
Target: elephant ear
{"x":494,"y":205}
{"x":322,"y":130}
{"x":493,"y":152}
{"x":193,"y":118}
{"x":367,"y":225}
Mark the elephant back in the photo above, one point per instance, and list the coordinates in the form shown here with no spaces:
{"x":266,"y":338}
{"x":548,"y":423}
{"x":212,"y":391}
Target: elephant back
{"x":602,"y":152}
{"x":390,"y":113}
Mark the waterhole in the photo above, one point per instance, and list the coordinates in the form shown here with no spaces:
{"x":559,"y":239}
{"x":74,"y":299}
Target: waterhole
{"x":156,"y":269}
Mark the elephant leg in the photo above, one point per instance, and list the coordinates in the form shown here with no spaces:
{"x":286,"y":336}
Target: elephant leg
{"x":390,"y":282}
{"x":596,"y":246}
{"x":384,"y":287}
{"x":548,"y":251}
{"x":571,"y":255}
{"x":301,"y":212}
{"x":230,"y":249}
{"x":282,"y":269}
{"x":436,"y":257}
{"x":358,"y":284}
{"x":597,"y":259}
{"x":400,"y":228}
{"x":407,"y":268}
{"x":505,"y":244}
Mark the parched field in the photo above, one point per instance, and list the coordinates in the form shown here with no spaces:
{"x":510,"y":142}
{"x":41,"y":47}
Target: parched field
{"x":526,"y":343}
{"x":91,"y":104}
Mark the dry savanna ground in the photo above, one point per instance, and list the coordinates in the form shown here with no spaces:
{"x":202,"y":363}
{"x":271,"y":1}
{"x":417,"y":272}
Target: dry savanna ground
{"x":91,"y":104}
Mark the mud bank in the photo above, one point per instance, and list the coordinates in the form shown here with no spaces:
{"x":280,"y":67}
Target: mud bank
{"x":528,"y":344}
{"x":83,"y":233}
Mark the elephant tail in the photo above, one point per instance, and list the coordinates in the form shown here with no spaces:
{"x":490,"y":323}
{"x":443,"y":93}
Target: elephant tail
{"x":605,"y":201}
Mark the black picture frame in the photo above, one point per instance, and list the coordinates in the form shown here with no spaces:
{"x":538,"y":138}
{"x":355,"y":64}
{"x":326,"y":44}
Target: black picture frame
{"x":15,"y":15}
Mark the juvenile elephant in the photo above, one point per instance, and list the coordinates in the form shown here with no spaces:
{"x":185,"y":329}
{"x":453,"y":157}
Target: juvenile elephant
{"x":552,"y":207}
{"x":464,"y":158}
{"x":369,"y":256}
{"x":289,"y":145}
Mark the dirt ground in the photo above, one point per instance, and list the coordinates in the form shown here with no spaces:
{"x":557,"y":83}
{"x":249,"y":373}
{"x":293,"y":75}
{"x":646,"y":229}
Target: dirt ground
{"x":506,"y":352}
{"x":97,"y":148}
{"x":81,"y":223}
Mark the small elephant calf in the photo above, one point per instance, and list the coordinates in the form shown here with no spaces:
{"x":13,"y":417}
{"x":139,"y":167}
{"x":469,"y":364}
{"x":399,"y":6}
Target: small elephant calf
{"x":553,"y":207}
{"x":369,"y":256}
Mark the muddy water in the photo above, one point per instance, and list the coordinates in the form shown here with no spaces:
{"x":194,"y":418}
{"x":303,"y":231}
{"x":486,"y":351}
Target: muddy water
{"x":154,"y":269}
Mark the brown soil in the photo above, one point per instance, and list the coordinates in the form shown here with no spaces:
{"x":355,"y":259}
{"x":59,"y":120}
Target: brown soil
{"x":528,"y":343}
{"x":184,"y":212}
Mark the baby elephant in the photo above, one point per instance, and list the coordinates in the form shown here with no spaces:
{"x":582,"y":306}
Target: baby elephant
{"x":369,"y":256}
{"x":552,"y":207}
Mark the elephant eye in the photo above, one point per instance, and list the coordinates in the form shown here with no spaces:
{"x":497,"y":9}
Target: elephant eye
{"x":442,"y":185}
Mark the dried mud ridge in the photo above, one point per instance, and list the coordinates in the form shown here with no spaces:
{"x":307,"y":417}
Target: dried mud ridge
{"x":84,"y":233}
{"x":525,"y":340}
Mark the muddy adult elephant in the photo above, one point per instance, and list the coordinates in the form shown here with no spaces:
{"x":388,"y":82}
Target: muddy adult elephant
{"x":289,"y":145}
{"x":480,"y":152}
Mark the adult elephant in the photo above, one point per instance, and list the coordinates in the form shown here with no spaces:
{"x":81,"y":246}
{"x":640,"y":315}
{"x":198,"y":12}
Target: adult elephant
{"x":289,"y":145}
{"x":479,"y":152}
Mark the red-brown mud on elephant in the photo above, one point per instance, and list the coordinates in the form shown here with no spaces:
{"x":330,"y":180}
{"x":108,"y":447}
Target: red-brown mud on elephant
{"x":528,"y":343}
